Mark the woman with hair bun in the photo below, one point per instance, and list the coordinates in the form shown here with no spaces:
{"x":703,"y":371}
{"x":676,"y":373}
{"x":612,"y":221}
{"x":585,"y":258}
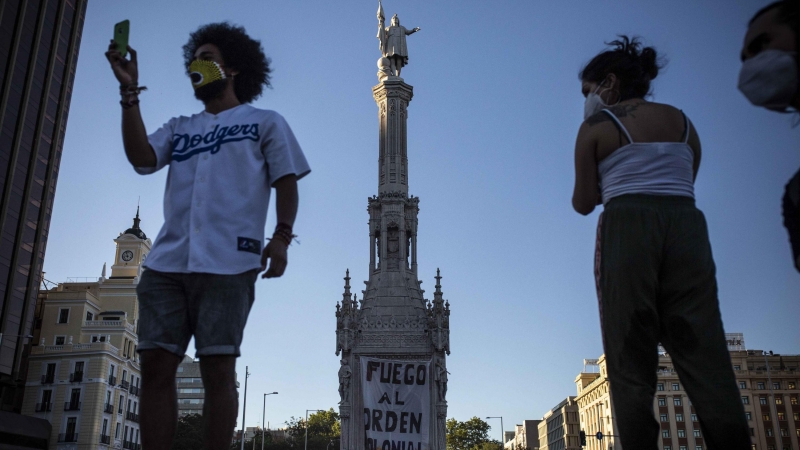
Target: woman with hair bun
{"x":655,"y":274}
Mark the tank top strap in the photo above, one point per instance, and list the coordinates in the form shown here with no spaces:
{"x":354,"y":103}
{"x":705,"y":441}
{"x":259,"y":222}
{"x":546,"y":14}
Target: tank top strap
{"x":619,"y":125}
{"x":686,"y":126}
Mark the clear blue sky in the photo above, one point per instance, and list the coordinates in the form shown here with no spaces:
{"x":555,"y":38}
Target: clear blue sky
{"x":496,"y":107}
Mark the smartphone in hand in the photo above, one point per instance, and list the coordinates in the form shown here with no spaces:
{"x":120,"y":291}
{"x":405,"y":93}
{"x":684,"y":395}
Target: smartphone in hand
{"x":121,"y":36}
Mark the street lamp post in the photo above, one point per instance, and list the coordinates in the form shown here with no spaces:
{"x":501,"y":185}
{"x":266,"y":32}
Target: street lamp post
{"x":263,"y":412}
{"x":502,"y":431}
{"x":306,"y":424}
{"x":244,"y":408}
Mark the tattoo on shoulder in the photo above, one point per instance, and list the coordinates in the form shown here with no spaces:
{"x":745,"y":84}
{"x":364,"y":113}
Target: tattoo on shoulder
{"x":625,"y":110}
{"x":599,"y":117}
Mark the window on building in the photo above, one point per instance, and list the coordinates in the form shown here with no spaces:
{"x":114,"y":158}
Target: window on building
{"x":766,"y":418}
{"x":121,"y":404}
{"x":745,"y":400}
{"x":748,"y":415}
{"x":776,"y":385}
{"x":762,"y":400}
{"x":737,"y":367}
{"x":676,"y":401}
{"x":180,"y":369}
{"x":676,"y":386}
{"x":679,"y":417}
{"x":662,"y":401}
{"x":698,"y":447}
{"x":682,"y":447}
{"x":696,"y":433}
{"x":660,"y":386}
{"x":665,"y":433}
{"x":89,"y":316}
{"x":793,"y":399}
{"x":47,"y":398}
{"x":667,"y":447}
{"x":742,"y":385}
{"x":796,"y":417}
{"x":778,"y":399}
{"x":792,"y":384}
{"x":116,"y":433}
{"x":681,"y":433}
{"x":664,"y":418}
{"x":60,"y":340}
{"x":781,"y":416}
{"x":694,"y":417}
{"x":125,"y":438}
{"x":769,"y":431}
{"x":63,"y":315}
{"x":752,"y":431}
{"x":760,"y":385}
{"x":105,"y":427}
{"x":784,"y":432}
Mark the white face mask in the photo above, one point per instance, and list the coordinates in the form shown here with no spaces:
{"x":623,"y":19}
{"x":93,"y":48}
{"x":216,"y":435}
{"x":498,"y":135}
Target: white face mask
{"x":769,"y":79}
{"x":594,"y":103}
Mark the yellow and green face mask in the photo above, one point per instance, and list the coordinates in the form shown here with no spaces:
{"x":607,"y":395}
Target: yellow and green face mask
{"x":204,"y":72}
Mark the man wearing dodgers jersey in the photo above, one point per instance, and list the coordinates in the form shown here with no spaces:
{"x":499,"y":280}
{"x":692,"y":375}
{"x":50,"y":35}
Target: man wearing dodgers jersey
{"x":200,"y":274}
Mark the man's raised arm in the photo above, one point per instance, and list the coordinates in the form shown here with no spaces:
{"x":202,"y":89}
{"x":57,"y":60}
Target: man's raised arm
{"x":134,"y":135}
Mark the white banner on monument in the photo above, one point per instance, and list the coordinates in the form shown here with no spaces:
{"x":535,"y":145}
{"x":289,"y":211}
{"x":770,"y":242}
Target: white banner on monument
{"x":397,"y":404}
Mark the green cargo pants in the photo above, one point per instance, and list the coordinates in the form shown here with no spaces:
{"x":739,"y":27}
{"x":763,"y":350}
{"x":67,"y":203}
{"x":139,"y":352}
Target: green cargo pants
{"x":656,"y":283}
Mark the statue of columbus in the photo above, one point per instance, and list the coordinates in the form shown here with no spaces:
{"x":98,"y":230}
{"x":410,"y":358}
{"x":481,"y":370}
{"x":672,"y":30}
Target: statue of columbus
{"x":393,"y":42}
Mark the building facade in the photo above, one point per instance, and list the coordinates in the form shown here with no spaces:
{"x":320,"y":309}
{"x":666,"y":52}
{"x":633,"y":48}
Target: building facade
{"x":768,"y":385}
{"x":188,"y":381}
{"x":83,"y":374}
{"x":524,"y":437}
{"x":559,"y":429}
{"x":39,"y":41}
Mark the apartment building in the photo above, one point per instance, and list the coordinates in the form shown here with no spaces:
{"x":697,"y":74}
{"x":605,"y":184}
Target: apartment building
{"x":768,"y":385}
{"x":559,"y":429}
{"x":83,"y":372}
{"x":191,"y":394}
{"x":524,"y":437}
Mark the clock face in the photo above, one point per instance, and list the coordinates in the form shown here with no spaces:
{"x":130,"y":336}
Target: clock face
{"x":127,"y":255}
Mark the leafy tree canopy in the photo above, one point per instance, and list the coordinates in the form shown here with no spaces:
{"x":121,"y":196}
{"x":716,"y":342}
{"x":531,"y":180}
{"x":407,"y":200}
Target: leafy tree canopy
{"x":472,"y":434}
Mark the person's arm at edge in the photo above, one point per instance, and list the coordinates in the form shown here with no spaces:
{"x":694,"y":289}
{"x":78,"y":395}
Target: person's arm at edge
{"x":585,"y":195}
{"x":286,"y":202}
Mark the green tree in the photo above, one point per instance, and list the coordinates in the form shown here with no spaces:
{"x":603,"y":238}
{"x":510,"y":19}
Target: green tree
{"x":470,"y":435}
{"x":189,"y":433}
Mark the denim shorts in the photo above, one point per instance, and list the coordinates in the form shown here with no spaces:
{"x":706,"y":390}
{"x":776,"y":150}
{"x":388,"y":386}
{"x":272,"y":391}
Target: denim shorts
{"x":213,"y":308}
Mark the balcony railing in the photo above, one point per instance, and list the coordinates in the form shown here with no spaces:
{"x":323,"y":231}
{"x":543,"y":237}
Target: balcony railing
{"x":76,"y":377}
{"x":132,"y":416}
{"x":131,"y":446}
{"x":68,"y":437}
{"x":44,"y":407}
{"x":108,"y":408}
{"x":105,"y":439}
{"x":112,"y":380}
{"x":48,"y":379}
{"x":72,"y":406}
{"x":124,"y":384}
{"x":134,"y":390}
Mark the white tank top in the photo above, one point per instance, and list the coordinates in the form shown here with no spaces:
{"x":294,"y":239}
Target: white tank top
{"x":656,"y":168}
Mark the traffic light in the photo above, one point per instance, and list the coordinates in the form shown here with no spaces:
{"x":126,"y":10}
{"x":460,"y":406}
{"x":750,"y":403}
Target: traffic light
{"x":583,"y":439}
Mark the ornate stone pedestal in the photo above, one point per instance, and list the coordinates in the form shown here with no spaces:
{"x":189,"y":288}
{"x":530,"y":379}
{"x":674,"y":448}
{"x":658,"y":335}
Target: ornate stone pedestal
{"x":393,"y":321}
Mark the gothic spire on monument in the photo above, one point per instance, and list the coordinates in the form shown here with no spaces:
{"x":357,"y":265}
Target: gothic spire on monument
{"x":393,"y":331}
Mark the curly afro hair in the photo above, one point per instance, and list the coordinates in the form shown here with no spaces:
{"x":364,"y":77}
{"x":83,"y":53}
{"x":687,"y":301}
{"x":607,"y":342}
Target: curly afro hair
{"x":634,"y":66}
{"x":239,"y":51}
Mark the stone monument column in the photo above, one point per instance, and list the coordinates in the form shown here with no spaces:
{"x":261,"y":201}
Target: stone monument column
{"x":393,"y":321}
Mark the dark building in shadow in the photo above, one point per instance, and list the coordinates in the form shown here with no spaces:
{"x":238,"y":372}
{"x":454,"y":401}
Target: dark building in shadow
{"x":39,"y":42}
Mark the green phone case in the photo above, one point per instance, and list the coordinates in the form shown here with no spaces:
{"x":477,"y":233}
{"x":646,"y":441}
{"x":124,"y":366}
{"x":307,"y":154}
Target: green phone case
{"x":121,"y":36}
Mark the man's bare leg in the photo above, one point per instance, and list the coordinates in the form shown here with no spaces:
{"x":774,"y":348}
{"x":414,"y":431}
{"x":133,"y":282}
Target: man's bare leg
{"x":221,"y":405}
{"x":159,"y":402}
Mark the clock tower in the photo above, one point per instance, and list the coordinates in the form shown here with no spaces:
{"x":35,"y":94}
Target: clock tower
{"x":132,"y":249}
